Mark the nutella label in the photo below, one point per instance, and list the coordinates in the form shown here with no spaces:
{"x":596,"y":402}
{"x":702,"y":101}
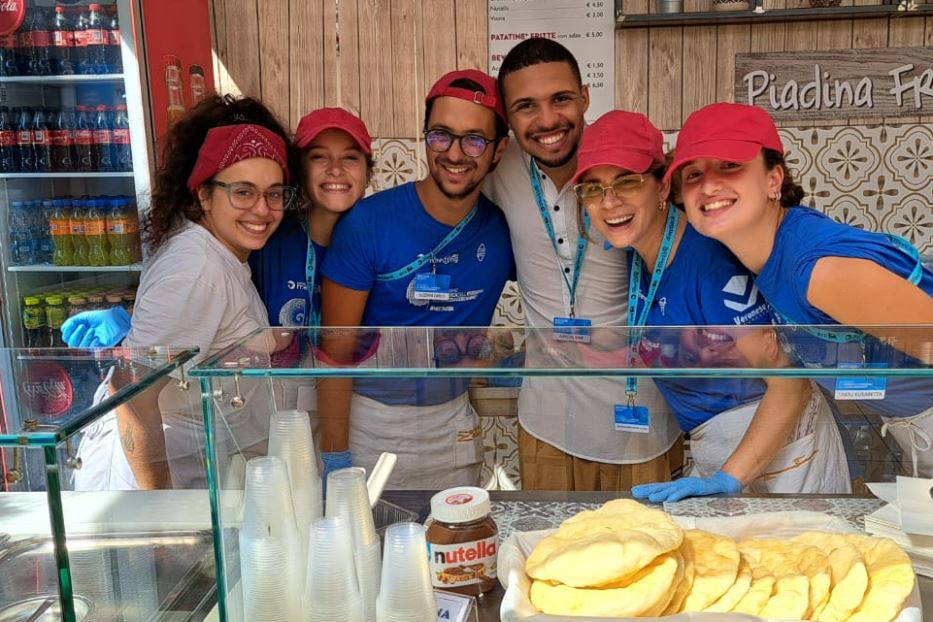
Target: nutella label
{"x":466,"y":563}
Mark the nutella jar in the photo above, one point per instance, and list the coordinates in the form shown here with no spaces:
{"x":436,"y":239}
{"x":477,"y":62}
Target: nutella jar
{"x":462,"y":541}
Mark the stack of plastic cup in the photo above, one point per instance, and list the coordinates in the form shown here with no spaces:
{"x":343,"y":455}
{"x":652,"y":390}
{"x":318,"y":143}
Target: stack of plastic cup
{"x":347,"y":497}
{"x":270,"y":557}
{"x":290,"y":439}
{"x":405,"y":594}
{"x":266,"y":596}
{"x":331,"y":593}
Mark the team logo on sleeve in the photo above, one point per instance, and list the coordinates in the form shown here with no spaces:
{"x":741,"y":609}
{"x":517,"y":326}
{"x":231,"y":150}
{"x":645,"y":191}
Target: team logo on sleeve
{"x":743,"y":293}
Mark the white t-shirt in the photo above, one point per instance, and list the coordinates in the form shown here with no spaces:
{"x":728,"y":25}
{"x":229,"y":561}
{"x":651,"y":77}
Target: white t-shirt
{"x":195,"y":292}
{"x":573,"y":414}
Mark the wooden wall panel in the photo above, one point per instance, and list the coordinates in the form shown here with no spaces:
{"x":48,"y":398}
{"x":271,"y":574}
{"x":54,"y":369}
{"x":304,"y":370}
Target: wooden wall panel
{"x":378,"y":57}
{"x":665,"y":70}
{"x":274,"y":60}
{"x":306,"y":72}
{"x":404,"y":76}
{"x":472,"y":35}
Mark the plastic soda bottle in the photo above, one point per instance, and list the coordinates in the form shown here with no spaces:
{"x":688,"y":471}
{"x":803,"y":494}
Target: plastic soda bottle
{"x":95,"y":232}
{"x":55,"y":317}
{"x":122,"y":157}
{"x":33,"y":322}
{"x":118,"y":234}
{"x":76,"y":218}
{"x":60,"y":229}
{"x":96,"y":38}
{"x":7,"y":142}
{"x":103,"y":140}
{"x":85,"y":157}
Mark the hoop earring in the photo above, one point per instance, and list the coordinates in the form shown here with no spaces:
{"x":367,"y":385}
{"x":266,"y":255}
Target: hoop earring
{"x":662,"y":205}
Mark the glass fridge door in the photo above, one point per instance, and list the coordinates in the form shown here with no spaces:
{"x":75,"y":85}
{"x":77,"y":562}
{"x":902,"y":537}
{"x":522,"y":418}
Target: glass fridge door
{"x":73,"y":166}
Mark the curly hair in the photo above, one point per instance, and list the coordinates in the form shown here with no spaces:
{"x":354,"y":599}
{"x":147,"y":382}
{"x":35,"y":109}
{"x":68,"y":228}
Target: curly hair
{"x":792,"y":193}
{"x":172,"y":202}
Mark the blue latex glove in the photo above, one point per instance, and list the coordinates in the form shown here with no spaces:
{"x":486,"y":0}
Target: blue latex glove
{"x":96,"y":329}
{"x":334,"y":460}
{"x":685,"y":487}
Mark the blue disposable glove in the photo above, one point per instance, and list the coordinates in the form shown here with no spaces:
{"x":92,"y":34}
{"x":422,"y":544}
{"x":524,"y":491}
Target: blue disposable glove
{"x":96,"y":329}
{"x":685,"y":487}
{"x":334,"y":460}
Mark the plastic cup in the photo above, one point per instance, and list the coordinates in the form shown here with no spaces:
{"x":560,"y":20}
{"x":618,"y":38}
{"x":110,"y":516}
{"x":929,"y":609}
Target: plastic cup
{"x":331,"y":593}
{"x":405,"y":593}
{"x":347,"y":496}
{"x":290,"y":439}
{"x":266,"y":596}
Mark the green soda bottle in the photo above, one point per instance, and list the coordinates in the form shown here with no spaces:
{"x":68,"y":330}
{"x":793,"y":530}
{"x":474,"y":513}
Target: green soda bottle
{"x":76,"y":218}
{"x":95,"y":232}
{"x":55,"y":317}
{"x":60,"y":229}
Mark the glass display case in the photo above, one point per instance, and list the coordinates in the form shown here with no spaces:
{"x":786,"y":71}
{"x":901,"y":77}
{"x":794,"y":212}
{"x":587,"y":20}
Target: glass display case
{"x":827,"y":391}
{"x":69,"y":550}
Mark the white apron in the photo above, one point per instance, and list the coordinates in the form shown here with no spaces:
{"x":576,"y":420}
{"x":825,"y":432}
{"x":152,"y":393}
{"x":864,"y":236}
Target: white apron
{"x":438,"y":446}
{"x":812,"y":461}
{"x":915,"y":436}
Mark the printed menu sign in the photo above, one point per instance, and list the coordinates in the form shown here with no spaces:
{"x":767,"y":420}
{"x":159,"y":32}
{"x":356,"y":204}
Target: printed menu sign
{"x":585,"y":27}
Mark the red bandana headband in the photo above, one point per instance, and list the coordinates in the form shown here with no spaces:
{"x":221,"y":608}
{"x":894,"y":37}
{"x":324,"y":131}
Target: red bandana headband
{"x":226,"y":145}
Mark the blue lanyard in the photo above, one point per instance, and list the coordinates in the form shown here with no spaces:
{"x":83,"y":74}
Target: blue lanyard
{"x":423,"y":259}
{"x":848,"y":336}
{"x":635,"y":319}
{"x":549,"y":227}
{"x":313,"y":315}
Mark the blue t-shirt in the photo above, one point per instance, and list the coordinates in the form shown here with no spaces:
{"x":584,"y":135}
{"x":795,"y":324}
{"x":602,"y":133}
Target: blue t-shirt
{"x":704,"y":284}
{"x":278,"y":272}
{"x":804,"y":237}
{"x":389,"y":230}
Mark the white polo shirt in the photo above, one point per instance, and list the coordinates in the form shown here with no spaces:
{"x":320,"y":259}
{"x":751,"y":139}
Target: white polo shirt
{"x":575,"y":415}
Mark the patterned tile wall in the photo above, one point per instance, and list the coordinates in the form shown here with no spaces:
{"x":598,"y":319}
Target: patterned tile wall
{"x":877,"y":177}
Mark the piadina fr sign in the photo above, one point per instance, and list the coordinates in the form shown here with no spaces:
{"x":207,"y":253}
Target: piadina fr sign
{"x":890,"y":82}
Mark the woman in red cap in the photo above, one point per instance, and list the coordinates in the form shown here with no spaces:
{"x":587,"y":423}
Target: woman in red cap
{"x":219,"y":195}
{"x":812,"y":270}
{"x":745,"y":433}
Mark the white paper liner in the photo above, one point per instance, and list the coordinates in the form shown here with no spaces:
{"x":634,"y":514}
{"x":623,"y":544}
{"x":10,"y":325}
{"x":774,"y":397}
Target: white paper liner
{"x":516,"y":604}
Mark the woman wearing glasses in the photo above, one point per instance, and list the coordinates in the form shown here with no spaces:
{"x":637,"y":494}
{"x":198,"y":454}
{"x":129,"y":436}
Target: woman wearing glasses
{"x":219,"y":195}
{"x":773,"y":435}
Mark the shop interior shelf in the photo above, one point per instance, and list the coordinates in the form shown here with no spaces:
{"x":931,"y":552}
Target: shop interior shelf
{"x":64,"y":175}
{"x":721,"y":18}
{"x":62,"y":80}
{"x":136,"y":267}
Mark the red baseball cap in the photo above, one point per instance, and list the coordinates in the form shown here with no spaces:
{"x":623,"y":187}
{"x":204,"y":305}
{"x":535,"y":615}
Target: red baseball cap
{"x":490,"y":99}
{"x":724,"y":131}
{"x":322,"y":119}
{"x":618,"y":138}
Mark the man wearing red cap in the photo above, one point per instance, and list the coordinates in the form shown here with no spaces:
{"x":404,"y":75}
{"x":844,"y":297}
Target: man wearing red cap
{"x":429,"y":253}
{"x":567,"y":437}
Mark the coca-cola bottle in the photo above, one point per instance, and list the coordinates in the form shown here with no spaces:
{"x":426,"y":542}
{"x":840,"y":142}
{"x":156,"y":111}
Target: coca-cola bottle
{"x":40,"y":63}
{"x":96,"y":40}
{"x":85,"y":158}
{"x":8,"y":53}
{"x":122,"y":153}
{"x":7,"y":142}
{"x":63,"y":38}
{"x":103,"y":140}
{"x":40,"y":142}
{"x":24,"y":43}
{"x":79,"y":58}
{"x":63,"y":141}
{"x":26,"y":159}
{"x":114,"y":56}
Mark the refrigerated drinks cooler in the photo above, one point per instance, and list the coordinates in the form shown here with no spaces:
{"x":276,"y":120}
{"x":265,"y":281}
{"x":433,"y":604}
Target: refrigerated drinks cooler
{"x":81,"y":102}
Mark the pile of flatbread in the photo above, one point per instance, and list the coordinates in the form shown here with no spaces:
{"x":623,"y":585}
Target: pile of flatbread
{"x":627,"y":560}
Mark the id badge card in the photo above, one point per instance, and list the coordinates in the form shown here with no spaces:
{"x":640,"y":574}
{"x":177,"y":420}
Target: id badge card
{"x":572,"y":329}
{"x":631,"y":419}
{"x":430,"y":286}
{"x":860,"y":388}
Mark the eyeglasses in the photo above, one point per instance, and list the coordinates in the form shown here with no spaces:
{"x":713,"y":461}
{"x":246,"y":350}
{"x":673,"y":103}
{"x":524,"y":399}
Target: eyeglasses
{"x":472,"y":145}
{"x":591,"y":192}
{"x":245,"y":196}
{"x":447,"y":351}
